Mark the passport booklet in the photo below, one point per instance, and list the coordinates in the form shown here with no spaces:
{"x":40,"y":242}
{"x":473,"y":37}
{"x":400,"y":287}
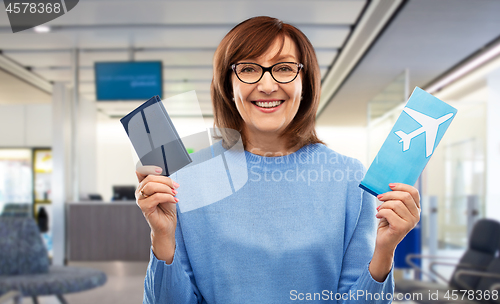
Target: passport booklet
{"x":410,"y":144}
{"x":155,"y":138}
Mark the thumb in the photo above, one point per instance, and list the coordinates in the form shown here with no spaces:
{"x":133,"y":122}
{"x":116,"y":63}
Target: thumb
{"x":143,"y":171}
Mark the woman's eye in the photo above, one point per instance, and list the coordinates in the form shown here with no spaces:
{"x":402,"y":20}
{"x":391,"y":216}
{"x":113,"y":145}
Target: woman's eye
{"x":284,"y":68}
{"x":247,"y":70}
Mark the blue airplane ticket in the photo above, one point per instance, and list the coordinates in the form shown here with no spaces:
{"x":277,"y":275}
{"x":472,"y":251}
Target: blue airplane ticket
{"x":410,"y":144}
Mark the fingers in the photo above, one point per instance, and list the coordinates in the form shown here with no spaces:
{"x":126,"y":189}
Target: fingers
{"x":158,"y":179}
{"x":399,"y":225}
{"x":152,"y":187}
{"x":406,"y":197}
{"x":407,"y":188}
{"x":399,"y":208}
{"x":149,"y":204}
{"x":154,"y":190}
{"x":144,"y":171}
{"x":401,"y":204}
{"x":383,"y":222}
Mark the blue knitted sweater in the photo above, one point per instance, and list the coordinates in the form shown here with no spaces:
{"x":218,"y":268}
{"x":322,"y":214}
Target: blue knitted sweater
{"x":255,"y":229}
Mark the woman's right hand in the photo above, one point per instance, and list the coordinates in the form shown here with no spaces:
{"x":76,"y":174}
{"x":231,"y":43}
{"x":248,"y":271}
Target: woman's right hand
{"x":155,"y":196}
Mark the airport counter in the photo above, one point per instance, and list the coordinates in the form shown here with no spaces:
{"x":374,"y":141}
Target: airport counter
{"x":107,"y":231}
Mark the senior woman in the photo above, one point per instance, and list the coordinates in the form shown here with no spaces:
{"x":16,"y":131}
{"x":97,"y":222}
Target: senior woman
{"x":275,"y":240}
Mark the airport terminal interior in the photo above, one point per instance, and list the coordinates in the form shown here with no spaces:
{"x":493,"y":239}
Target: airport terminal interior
{"x":67,"y":162}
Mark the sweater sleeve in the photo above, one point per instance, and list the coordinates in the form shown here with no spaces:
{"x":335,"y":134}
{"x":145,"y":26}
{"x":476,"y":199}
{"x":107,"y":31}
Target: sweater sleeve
{"x":356,"y":284}
{"x":171,"y":283}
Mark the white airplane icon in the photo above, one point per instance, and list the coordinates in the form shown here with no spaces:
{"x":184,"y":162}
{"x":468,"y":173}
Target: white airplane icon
{"x":429,"y":126}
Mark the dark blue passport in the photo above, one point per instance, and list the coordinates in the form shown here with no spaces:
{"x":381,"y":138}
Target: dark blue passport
{"x":154,"y":137}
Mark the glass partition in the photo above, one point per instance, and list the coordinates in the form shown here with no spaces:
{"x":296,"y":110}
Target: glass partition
{"x":452,"y":186}
{"x":16,"y":182}
{"x":383,"y":110}
{"x":455,"y":175}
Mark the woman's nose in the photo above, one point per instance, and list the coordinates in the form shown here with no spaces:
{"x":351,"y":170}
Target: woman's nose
{"x":267,"y":84}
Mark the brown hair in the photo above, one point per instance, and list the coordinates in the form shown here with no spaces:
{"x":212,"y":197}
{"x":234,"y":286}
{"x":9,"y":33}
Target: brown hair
{"x":251,"y":39}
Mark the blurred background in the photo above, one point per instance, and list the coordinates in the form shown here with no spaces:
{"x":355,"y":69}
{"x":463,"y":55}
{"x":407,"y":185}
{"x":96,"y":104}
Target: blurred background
{"x":66,"y":161}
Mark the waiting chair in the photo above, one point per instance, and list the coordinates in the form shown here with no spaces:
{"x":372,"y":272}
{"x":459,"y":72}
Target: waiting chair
{"x":11,"y":295}
{"x":488,"y":280}
{"x":24,"y":264}
{"x":16,"y":210}
{"x":484,"y":242}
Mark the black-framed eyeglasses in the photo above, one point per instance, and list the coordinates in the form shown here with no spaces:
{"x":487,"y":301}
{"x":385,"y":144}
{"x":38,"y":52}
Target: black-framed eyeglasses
{"x":282,"y":72}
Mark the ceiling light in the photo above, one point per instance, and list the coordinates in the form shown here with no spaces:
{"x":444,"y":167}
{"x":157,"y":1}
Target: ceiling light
{"x":42,"y":29}
{"x":466,"y":68}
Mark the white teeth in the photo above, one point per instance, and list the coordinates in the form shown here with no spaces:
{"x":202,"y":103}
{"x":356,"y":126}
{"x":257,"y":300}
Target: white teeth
{"x":270,"y":104}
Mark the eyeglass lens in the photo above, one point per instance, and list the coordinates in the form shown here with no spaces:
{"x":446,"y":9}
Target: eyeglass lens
{"x":282,"y":72}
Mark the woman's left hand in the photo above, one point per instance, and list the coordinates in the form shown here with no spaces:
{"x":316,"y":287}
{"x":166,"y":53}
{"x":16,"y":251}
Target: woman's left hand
{"x":399,"y":214}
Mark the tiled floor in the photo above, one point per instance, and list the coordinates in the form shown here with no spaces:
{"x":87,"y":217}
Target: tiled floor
{"x":124,"y":285}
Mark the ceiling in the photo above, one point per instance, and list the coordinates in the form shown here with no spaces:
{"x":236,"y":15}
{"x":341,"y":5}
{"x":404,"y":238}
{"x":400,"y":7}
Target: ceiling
{"x":427,"y":37}
{"x":19,"y":92}
{"x":182,"y":34}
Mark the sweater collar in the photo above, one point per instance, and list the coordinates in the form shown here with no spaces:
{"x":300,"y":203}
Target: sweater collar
{"x":301,"y":156}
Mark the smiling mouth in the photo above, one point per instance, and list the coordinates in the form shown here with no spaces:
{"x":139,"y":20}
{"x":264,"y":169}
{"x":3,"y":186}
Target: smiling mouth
{"x":268,"y":104}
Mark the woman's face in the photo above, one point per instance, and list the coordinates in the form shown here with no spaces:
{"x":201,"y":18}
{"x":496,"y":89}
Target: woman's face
{"x":254,"y":101}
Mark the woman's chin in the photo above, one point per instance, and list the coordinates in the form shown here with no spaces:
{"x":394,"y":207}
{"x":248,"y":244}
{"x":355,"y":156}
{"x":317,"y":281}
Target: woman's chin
{"x":268,"y":129}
